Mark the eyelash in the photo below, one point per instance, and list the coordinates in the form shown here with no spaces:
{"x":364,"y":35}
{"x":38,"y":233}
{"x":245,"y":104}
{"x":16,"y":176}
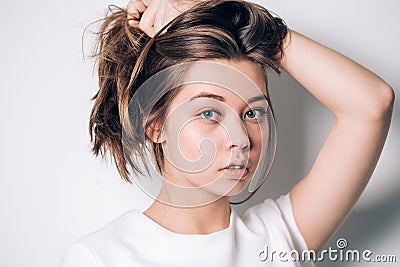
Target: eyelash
{"x":209,"y":110}
{"x":261,"y":110}
{"x":263,"y":113}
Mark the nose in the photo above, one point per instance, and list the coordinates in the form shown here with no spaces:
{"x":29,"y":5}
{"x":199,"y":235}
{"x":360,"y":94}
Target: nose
{"x":237,"y":136}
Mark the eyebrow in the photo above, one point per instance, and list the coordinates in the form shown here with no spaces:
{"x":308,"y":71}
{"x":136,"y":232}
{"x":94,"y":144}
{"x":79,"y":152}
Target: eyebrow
{"x":208,"y":95}
{"x":222,"y":99}
{"x":258,"y":98}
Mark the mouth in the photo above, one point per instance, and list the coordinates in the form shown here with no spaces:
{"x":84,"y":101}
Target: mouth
{"x":236,"y":171}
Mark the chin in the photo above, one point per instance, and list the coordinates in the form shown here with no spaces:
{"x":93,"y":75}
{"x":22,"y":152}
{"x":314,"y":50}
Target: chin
{"x":227,"y":186}
{"x":236,"y":190}
{"x":230,"y":190}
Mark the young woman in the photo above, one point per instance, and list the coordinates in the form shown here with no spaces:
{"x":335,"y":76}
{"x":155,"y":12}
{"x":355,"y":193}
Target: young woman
{"x":192,"y":98}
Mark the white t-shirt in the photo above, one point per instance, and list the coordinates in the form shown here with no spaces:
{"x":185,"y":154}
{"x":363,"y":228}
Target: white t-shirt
{"x":134,"y":240}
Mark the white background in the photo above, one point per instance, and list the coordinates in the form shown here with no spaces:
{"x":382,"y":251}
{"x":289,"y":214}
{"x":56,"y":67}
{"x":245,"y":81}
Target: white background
{"x":52,"y":190}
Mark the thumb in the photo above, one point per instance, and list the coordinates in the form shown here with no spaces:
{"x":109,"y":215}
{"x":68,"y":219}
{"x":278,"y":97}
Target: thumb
{"x":147,"y":20}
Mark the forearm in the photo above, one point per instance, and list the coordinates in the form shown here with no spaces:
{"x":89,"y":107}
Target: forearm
{"x":342,"y":85}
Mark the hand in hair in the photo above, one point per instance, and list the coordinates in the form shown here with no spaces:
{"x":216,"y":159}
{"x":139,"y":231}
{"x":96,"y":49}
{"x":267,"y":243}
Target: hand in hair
{"x":151,"y":15}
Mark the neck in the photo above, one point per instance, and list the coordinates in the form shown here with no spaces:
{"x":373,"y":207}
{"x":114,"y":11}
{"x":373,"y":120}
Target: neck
{"x":204,"y":219}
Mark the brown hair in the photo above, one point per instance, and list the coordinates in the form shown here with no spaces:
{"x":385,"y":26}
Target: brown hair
{"x":126,"y":58}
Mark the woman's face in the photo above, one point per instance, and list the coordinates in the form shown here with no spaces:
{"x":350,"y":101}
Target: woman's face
{"x":216,"y":127}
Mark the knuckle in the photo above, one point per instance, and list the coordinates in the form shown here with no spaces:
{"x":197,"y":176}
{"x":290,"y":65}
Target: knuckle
{"x":132,"y":6}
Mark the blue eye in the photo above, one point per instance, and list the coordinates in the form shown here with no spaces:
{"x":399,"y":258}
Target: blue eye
{"x":210,"y":114}
{"x":256,"y":113}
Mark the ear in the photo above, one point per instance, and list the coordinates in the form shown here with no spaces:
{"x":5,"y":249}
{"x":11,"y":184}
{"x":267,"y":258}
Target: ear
{"x":155,"y":132}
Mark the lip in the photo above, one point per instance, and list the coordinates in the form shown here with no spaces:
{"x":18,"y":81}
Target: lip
{"x":239,"y":174}
{"x":243,"y":163}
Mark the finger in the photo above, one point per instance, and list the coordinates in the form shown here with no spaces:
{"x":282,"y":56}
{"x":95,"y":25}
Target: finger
{"x":134,"y":9}
{"x":147,"y":20}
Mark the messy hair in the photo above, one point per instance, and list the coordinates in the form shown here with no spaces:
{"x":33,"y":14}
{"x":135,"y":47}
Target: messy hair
{"x":127,"y":57}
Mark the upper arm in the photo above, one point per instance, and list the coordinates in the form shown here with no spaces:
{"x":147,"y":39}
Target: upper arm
{"x":79,"y":255}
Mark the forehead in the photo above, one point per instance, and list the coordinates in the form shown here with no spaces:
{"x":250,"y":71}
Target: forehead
{"x":241,"y":78}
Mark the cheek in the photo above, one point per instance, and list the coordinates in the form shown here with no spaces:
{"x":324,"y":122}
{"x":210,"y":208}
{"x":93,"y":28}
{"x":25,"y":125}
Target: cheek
{"x":195,"y":142}
{"x":189,"y":141}
{"x":258,"y":140}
